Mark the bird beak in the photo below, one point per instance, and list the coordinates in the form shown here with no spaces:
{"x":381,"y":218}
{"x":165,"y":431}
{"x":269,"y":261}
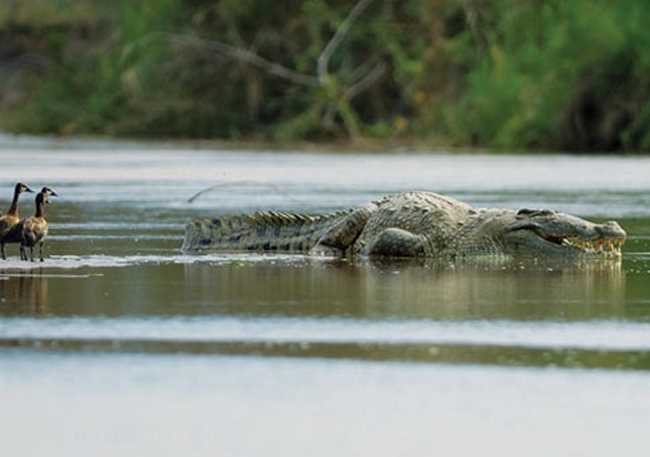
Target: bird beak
{"x":27,"y":189}
{"x":54,"y":194}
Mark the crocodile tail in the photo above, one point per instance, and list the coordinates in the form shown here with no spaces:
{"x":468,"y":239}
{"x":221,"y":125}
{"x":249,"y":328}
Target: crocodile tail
{"x":260,"y":231}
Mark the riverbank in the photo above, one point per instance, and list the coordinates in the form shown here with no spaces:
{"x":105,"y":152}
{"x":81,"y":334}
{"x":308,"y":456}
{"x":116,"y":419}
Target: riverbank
{"x":342,"y":145}
{"x":357,"y":146}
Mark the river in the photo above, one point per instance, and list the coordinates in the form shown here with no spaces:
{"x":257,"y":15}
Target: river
{"x":120,"y":344}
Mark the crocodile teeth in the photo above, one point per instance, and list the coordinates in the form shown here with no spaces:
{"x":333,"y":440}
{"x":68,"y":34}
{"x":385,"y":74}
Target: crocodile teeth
{"x":600,"y":246}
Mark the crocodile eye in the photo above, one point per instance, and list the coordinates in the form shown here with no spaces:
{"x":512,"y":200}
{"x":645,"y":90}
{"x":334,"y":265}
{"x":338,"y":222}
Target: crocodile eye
{"x":534,"y":212}
{"x":526,"y":212}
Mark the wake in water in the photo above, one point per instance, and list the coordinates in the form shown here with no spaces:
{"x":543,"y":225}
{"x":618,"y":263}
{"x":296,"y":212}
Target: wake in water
{"x":110,"y":261}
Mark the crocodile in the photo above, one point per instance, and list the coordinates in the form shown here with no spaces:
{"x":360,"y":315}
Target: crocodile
{"x":409,"y":224}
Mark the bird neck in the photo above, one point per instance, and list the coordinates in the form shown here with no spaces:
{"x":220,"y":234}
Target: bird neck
{"x":13,"y":209}
{"x":40,"y":208}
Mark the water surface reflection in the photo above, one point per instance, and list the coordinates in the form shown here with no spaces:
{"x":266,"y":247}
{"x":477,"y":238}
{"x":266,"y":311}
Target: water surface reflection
{"x":118,"y":321}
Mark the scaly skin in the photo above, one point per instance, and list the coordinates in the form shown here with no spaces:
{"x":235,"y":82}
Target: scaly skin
{"x":410,"y":224}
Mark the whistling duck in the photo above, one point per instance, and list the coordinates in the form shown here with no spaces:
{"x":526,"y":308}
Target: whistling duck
{"x":10,"y":218}
{"x":34,"y":228}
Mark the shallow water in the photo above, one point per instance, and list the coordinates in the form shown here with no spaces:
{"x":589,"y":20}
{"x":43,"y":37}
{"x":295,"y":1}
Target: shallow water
{"x":249,"y":354}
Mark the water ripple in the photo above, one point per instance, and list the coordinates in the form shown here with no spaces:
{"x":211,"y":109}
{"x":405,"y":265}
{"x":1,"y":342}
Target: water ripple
{"x":593,"y":335}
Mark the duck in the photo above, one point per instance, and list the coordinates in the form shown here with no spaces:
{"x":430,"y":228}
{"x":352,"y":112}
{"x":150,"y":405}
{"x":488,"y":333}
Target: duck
{"x":10,"y":219}
{"x":34,"y":228}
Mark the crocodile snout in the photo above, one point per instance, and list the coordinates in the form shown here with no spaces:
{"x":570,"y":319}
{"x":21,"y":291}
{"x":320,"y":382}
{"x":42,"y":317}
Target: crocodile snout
{"x":611,"y":229}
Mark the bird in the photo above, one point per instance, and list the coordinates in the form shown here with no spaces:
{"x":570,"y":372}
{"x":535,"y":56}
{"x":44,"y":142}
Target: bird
{"x":10,"y":219}
{"x":34,"y":228}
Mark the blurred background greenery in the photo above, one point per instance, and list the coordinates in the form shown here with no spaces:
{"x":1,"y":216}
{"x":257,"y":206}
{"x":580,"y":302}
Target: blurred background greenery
{"x":527,"y":74}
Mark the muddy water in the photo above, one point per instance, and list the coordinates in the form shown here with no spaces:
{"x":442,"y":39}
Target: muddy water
{"x":145,"y":350}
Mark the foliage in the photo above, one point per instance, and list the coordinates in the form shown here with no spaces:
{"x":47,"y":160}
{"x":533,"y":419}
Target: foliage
{"x":571,"y":75}
{"x":526,"y":74}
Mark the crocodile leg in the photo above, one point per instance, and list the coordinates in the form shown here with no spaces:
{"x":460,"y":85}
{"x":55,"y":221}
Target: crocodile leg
{"x":338,"y":239}
{"x":394,"y":242}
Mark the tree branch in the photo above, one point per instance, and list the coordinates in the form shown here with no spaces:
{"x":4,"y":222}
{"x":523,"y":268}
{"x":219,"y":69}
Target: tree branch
{"x":364,"y":83}
{"x":355,"y":89}
{"x":338,"y":97}
{"x":361,"y":70}
{"x":251,"y":58}
{"x":341,"y":31}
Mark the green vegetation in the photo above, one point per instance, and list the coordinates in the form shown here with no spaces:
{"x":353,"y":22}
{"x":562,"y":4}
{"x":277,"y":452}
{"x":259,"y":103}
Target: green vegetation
{"x":509,"y":75}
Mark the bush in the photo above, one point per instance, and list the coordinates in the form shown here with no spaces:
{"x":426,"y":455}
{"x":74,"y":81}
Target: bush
{"x":570,"y":75}
{"x":544,"y":75}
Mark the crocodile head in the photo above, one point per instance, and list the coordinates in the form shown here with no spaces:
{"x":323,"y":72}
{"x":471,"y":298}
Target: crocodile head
{"x":546,"y":232}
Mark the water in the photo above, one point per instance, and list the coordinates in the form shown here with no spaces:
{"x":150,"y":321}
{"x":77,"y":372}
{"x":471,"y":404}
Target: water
{"x":142,"y":350}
